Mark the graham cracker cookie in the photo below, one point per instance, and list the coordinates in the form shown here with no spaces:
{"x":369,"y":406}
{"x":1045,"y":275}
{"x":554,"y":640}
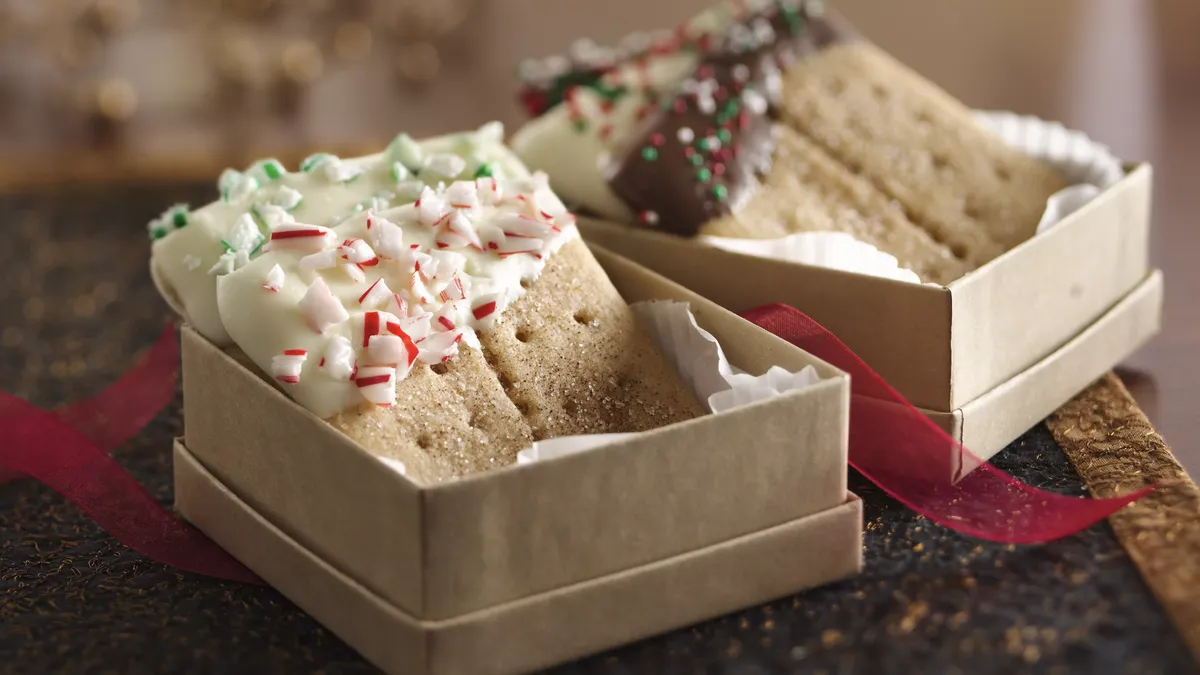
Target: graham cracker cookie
{"x":568,"y":358}
{"x":809,"y":191}
{"x":919,"y":146}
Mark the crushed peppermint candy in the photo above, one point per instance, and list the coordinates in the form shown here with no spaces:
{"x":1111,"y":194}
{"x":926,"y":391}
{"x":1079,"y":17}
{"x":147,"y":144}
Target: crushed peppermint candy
{"x":286,"y":366}
{"x":300,"y":237}
{"x":338,"y":360}
{"x":236,"y":186}
{"x":267,"y":170}
{"x":405,"y":150}
{"x":229,"y":262}
{"x":377,"y":294}
{"x":445,"y":165}
{"x":322,"y":308}
{"x":377,"y":384}
{"x":275,"y":279}
{"x":244,"y":235}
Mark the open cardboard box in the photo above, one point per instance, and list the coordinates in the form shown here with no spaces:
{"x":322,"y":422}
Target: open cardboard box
{"x":986,"y":356}
{"x":526,"y":566}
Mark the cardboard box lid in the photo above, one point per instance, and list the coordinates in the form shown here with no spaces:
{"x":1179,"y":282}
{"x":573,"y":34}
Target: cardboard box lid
{"x":986,"y":425}
{"x":541,"y":630}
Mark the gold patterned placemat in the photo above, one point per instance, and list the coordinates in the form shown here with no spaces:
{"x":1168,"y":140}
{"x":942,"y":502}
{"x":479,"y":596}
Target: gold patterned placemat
{"x":1116,"y":450}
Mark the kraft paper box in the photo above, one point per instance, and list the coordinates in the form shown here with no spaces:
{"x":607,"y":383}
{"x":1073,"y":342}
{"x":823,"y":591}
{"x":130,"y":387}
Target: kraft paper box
{"x":985,"y":356}
{"x":528,"y":565}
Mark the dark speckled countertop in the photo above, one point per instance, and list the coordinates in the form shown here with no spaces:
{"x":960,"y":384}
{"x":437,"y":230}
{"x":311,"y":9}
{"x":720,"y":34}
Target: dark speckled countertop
{"x":78,"y":307}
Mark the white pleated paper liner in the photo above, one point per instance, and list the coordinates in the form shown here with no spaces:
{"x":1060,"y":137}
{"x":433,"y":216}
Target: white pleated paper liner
{"x":1089,"y":166}
{"x":834,"y":250}
{"x":697,"y":357}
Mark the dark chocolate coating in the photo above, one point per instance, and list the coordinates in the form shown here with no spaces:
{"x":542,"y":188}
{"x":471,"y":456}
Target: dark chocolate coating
{"x":681,"y":192}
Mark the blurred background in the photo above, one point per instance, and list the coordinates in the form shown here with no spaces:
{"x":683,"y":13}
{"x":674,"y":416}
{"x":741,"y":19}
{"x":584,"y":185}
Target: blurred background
{"x":100,"y":90}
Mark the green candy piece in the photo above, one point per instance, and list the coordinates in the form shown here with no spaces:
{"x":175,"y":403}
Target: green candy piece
{"x":484,"y":171}
{"x":649,"y":154}
{"x":180,"y":218}
{"x":405,"y":150}
{"x":313,"y":161}
{"x":273,"y":169}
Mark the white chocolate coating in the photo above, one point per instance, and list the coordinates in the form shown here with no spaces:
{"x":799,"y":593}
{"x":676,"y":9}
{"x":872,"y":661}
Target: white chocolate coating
{"x":322,"y":306}
{"x":184,"y":257}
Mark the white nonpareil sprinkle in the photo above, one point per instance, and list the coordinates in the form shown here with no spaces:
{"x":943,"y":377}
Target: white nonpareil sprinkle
{"x":321,"y":307}
{"x":275,"y":278}
{"x":445,"y":165}
{"x":191,"y":262}
{"x":685,"y":135}
{"x":244,"y":235}
{"x":741,"y":72}
{"x":339,"y":358}
{"x":763,"y":32}
{"x":754,"y":101}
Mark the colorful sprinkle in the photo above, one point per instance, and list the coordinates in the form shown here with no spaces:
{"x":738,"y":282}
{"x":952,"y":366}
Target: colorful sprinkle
{"x":649,"y":154}
{"x":720,"y":192}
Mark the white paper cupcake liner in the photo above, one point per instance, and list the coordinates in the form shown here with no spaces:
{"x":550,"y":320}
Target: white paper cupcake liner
{"x":1089,"y":166}
{"x":698,"y":359}
{"x":835,"y":250}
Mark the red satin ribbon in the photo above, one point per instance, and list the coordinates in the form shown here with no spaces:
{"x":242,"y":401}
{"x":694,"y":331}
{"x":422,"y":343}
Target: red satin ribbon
{"x":68,"y":451}
{"x":891,"y":443}
{"x":899,"y":449}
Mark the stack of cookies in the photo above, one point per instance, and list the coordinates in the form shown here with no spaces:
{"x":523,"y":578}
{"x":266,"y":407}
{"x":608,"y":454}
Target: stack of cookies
{"x":761,"y":119}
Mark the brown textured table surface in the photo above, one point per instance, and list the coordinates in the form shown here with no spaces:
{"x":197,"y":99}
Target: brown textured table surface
{"x":81,"y":307}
